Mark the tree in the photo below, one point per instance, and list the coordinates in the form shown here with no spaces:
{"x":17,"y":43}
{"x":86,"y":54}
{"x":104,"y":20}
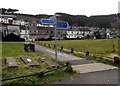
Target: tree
{"x":12,"y":10}
{"x":3,"y":10}
{"x":98,"y":35}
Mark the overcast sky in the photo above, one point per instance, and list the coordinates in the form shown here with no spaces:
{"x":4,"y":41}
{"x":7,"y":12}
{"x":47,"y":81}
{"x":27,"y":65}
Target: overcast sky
{"x":75,"y":7}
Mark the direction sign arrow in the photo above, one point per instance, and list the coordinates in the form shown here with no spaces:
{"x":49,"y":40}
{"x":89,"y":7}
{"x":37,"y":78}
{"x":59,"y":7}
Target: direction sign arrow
{"x":62,"y":25}
{"x":59,"y":24}
{"x":47,"y":21}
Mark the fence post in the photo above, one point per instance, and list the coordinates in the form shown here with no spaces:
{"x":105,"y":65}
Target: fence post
{"x":87,"y":53}
{"x":71,"y":50}
{"x":61,"y":48}
{"x":116,"y":60}
{"x":40,"y":74}
{"x":69,"y":68}
{"x":44,"y":44}
{"x":54,"y":46}
{"x":48,"y":45}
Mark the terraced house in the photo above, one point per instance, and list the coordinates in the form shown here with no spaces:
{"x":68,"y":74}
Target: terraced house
{"x":30,"y":29}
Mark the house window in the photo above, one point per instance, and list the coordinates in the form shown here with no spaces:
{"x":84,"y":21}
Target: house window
{"x":71,"y":32}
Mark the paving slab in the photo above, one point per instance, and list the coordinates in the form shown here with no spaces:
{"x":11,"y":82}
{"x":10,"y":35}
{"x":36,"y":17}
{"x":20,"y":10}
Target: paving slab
{"x":29,"y":61}
{"x":79,"y":61}
{"x":50,"y":63}
{"x":11,"y":62}
{"x":93,"y":67}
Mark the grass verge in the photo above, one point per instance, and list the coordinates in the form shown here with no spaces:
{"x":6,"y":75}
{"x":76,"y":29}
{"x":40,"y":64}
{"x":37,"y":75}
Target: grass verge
{"x":105,"y":46}
{"x":16,"y":50}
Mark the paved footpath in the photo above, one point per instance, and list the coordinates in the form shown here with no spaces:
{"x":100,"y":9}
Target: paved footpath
{"x":85,"y":67}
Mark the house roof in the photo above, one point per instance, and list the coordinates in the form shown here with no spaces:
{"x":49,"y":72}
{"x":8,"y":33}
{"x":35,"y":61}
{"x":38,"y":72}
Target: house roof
{"x":32,"y":28}
{"x":22,"y":27}
{"x":91,"y":29}
{"x":13,"y":27}
{"x":45,"y":28}
{"x":13,"y":16}
{"x":72,"y":29}
{"x":83,"y":29}
{"x":3,"y":28}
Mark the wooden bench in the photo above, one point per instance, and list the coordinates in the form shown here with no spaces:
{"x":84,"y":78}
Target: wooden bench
{"x":11,"y":62}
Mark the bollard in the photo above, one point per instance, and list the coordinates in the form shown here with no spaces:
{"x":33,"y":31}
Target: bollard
{"x":54,"y":46}
{"x":87,"y":53}
{"x":40,"y":74}
{"x":41,"y":43}
{"x":44,"y":44}
{"x":69,"y":68}
{"x":48,"y":45}
{"x":116,"y":60}
{"x":72,"y":50}
{"x":61,"y":49}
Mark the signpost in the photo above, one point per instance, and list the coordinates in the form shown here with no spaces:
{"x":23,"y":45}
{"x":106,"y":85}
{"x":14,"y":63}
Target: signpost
{"x":55,"y":40}
{"x":57,"y":25}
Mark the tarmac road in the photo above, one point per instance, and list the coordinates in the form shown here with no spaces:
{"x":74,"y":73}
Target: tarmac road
{"x":100,"y":77}
{"x":90,"y":71}
{"x":63,"y":57}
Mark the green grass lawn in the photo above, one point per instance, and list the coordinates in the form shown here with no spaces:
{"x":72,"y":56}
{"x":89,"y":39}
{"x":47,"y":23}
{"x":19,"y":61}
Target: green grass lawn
{"x":16,"y":50}
{"x":99,"y":46}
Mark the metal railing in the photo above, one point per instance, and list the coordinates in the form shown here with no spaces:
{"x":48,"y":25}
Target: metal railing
{"x":40,"y":74}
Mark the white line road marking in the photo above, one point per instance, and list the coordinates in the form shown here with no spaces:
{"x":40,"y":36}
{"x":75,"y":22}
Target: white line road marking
{"x":63,"y":56}
{"x":50,"y":51}
{"x":54,"y":52}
